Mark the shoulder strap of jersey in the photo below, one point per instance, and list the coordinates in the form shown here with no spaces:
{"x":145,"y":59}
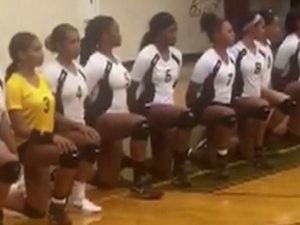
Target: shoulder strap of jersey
{"x":216,"y":68}
{"x":238,"y":84}
{"x":82,"y":74}
{"x":60,"y":84}
{"x":176,"y":59}
{"x":154,"y":61}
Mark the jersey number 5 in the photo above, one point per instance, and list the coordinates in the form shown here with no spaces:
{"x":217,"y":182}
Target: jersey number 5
{"x":168,"y":77}
{"x":46,"y":104}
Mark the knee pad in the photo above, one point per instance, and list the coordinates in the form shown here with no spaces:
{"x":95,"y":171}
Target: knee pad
{"x":140,"y":131}
{"x":69,"y":160}
{"x":33,"y":213}
{"x":89,"y":153}
{"x":228,"y":121}
{"x":9,"y":172}
{"x":287,"y":106}
{"x":186,"y":120}
{"x":262,"y":113}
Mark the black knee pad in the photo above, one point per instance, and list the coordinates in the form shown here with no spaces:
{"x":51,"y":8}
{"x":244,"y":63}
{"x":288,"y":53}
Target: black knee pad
{"x":228,"y":121}
{"x":262,"y":113}
{"x":287,"y":106}
{"x":140,"y":131}
{"x":33,"y":213}
{"x":186,"y":120}
{"x":89,"y":153}
{"x":69,"y":159}
{"x":9,"y":172}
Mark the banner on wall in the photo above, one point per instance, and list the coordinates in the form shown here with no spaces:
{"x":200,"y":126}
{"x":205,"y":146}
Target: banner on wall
{"x":198,"y":7}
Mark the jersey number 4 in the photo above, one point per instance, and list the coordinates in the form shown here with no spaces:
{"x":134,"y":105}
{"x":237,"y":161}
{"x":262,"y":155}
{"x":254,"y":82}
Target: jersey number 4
{"x":46,"y":104}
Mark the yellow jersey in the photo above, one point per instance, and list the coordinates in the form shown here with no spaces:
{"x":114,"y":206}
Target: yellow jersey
{"x":37,"y":104}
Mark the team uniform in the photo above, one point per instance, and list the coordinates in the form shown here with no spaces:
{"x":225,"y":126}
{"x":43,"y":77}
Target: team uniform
{"x":69,"y":89}
{"x":249,"y":68}
{"x":267,"y":53}
{"x":216,"y":78}
{"x":156,"y":76}
{"x":287,"y":60}
{"x":107,"y":84}
{"x":36,"y":104}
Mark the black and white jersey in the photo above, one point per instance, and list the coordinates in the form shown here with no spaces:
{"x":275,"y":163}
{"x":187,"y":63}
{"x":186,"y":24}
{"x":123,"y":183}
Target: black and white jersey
{"x":108,"y":82}
{"x":288,"y":49}
{"x":267,"y":52}
{"x":156,"y":75}
{"x":215,"y":76}
{"x":249,"y":69}
{"x":69,"y":88}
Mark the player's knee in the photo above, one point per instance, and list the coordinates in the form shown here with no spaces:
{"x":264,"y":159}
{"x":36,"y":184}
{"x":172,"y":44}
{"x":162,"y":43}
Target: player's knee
{"x":228,"y":121}
{"x":287,"y":106}
{"x":33,"y":213}
{"x":262,"y":112}
{"x":89,"y":153}
{"x":186,"y":120}
{"x":9,"y":172}
{"x":141,"y":131}
{"x":69,"y":159}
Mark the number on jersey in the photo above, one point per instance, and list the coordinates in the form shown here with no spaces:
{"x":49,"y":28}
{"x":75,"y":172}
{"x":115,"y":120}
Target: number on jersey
{"x":230,"y":76}
{"x":46,"y":104}
{"x":168,"y":77}
{"x":257,"y":68}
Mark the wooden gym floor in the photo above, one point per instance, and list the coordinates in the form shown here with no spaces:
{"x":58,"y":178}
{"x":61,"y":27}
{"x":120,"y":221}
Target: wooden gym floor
{"x":270,"y":199}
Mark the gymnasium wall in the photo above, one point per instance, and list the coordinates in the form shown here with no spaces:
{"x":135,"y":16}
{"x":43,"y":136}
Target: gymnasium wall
{"x":40,"y":16}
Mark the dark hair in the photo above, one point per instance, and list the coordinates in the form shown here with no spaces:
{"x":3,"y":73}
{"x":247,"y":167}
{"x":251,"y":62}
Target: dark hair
{"x":20,"y":42}
{"x":246,"y":19}
{"x":291,"y":20}
{"x":158,"y":23}
{"x":95,"y":28}
{"x":268,"y":15}
{"x":58,"y":36}
{"x":210,"y":23}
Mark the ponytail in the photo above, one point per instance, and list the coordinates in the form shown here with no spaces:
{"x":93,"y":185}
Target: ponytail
{"x":146,"y":40}
{"x":87,"y":49}
{"x":12,"y":68}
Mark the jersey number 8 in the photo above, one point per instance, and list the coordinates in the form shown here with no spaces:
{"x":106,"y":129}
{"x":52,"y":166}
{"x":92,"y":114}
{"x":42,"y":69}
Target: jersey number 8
{"x":46,"y":104}
{"x":257,"y":68}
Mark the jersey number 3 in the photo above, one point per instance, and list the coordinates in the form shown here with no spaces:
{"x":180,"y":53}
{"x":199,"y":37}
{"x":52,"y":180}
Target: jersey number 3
{"x":46,"y":104}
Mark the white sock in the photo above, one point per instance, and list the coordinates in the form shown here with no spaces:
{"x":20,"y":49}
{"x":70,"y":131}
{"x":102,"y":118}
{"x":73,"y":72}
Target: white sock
{"x":78,"y":191}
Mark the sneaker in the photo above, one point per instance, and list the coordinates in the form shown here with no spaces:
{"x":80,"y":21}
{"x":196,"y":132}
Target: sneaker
{"x":146,"y":192}
{"x":57,"y":214}
{"x":181,"y":180}
{"x":86,"y":206}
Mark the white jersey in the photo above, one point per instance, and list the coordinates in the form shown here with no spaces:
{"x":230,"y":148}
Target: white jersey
{"x":157,"y":76}
{"x":287,"y":49}
{"x":69,"y":89}
{"x":267,"y":52}
{"x":250,"y":68}
{"x":215,"y":76}
{"x":107,"y":83}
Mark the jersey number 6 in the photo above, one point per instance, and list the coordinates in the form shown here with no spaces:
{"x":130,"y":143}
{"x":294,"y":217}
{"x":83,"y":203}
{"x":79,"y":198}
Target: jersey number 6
{"x":46,"y":104}
{"x":168,"y":76}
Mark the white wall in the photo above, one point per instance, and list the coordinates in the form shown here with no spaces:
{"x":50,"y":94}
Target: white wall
{"x":134,"y":15}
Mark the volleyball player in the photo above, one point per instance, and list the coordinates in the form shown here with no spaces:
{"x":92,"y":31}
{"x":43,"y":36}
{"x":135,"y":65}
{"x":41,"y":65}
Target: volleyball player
{"x":30,"y":104}
{"x":107,"y":108}
{"x":155,"y":73}
{"x":68,"y":83}
{"x":252,"y":110}
{"x":286,"y":67}
{"x":9,"y":165}
{"x":282,"y":103}
{"x":210,"y":90}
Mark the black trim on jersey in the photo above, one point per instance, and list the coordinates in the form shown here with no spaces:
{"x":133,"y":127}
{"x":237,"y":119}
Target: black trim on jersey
{"x":262,"y":53}
{"x":59,"y":88}
{"x":294,"y":70}
{"x":208,"y":91}
{"x":104,"y":97}
{"x":176,"y":59}
{"x":238,"y":85}
{"x":148,"y":93}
